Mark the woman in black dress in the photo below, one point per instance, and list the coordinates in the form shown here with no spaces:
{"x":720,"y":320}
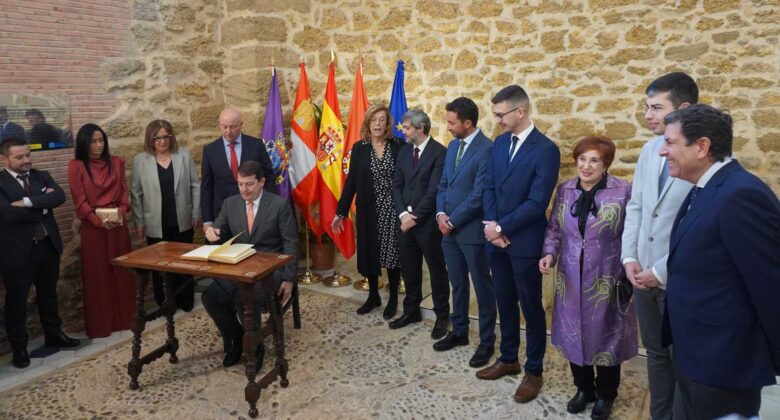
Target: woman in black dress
{"x":369,"y":181}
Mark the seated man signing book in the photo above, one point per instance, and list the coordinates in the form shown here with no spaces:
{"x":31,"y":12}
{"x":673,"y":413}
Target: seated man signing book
{"x":264,"y":220}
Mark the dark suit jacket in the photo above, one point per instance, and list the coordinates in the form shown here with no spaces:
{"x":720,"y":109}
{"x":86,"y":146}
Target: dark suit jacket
{"x":360,"y":186}
{"x":724,"y":283}
{"x":12,"y":129}
{"x":217,"y":181}
{"x":17,"y":223}
{"x":517,"y":195}
{"x":416,"y":187}
{"x":460,"y":190}
{"x":274,"y":229}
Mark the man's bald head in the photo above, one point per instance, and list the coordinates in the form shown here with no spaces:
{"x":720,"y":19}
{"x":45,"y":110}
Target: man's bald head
{"x":230,"y":124}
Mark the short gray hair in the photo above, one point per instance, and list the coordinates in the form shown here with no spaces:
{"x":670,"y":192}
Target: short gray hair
{"x":418,"y":119}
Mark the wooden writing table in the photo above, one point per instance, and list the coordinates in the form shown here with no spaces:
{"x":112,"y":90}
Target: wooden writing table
{"x":165,"y":257}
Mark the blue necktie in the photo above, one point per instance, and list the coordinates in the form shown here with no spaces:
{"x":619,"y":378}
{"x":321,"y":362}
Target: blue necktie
{"x":663,"y":177}
{"x":515,"y":139}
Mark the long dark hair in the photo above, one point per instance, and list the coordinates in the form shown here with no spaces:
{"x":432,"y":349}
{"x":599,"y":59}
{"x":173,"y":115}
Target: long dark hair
{"x":84,"y":139}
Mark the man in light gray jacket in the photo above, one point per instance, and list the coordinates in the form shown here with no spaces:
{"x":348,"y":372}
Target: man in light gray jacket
{"x":655,"y":199}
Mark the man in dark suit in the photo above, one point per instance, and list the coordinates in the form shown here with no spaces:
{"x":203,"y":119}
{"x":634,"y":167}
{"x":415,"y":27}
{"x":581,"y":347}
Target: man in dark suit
{"x":459,"y":217}
{"x":8,"y":128}
{"x":31,"y":248}
{"x":722,"y":313}
{"x":521,"y":176}
{"x":417,"y":174}
{"x":266,"y":221}
{"x":220,"y":162}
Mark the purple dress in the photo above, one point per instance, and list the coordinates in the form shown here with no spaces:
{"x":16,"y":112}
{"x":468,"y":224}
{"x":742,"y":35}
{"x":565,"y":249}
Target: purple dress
{"x":586,"y":326}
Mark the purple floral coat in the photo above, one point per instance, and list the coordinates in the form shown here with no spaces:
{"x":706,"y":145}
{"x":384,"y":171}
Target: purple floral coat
{"x":586,"y":325}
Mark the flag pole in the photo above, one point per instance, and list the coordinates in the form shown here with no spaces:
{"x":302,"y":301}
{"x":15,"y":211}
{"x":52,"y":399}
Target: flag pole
{"x":308,"y":277}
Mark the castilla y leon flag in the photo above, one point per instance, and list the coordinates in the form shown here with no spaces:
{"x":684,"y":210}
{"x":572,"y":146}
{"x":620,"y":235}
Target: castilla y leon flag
{"x":304,"y":176}
{"x":329,"y":155}
{"x":274,"y":139}
{"x":357,"y":111}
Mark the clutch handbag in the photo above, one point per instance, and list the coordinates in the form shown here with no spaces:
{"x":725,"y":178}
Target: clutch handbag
{"x":109,"y":214}
{"x":621,"y":294}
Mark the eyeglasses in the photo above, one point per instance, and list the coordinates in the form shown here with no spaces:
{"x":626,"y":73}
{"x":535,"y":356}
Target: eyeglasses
{"x":162,"y":138}
{"x":500,"y":115}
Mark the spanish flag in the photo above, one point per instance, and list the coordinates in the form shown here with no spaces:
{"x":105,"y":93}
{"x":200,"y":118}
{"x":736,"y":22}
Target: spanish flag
{"x":329,"y":157}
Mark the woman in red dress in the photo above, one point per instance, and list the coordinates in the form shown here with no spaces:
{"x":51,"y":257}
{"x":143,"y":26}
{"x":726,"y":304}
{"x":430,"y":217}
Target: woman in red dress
{"x":97,"y":180}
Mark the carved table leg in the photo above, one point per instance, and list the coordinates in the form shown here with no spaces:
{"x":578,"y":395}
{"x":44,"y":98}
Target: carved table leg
{"x":277,"y":321}
{"x":139,"y":323}
{"x":252,"y":390}
{"x":170,"y":309}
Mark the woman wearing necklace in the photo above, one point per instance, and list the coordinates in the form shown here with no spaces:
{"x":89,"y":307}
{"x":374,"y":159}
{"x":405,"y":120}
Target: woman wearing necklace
{"x":97,"y":181}
{"x":370,"y":182}
{"x":589,"y":327}
{"x":166,"y":201}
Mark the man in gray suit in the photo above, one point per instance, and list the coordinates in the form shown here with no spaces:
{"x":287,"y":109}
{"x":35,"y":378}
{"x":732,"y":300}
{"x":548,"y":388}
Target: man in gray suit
{"x":655,"y":199}
{"x":266,"y":221}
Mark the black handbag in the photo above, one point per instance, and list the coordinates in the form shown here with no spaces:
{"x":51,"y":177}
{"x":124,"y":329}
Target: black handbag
{"x":621,"y":294}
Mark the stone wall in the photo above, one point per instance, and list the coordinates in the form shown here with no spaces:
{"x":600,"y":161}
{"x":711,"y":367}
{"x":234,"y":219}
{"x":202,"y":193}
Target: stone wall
{"x":584,"y":63}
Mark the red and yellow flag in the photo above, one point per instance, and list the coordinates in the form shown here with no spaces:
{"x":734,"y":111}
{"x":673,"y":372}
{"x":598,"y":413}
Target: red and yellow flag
{"x":304,"y":176}
{"x":329,"y":156}
{"x":357,"y":111}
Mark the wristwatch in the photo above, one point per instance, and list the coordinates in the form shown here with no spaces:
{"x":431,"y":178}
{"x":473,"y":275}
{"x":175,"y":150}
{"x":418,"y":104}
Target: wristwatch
{"x":498,"y":228}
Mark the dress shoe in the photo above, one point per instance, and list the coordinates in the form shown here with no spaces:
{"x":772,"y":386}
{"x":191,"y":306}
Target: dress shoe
{"x":440,"y":328}
{"x":371,"y":303}
{"x":233,"y":354}
{"x":404,"y":320}
{"x":21,"y":359}
{"x":498,"y":370}
{"x":61,"y":340}
{"x":481,"y":356}
{"x":450,"y":341}
{"x":529,"y":388}
{"x":580,"y":401}
{"x":601,"y":410}
{"x":390,"y":309}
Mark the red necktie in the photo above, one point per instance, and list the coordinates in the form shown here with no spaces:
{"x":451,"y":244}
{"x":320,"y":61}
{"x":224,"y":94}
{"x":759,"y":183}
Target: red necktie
{"x":416,"y":156}
{"x":233,"y":160}
{"x":250,"y":217}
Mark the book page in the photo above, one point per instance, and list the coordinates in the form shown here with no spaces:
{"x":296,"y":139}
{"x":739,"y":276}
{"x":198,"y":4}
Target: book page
{"x":200,"y":254}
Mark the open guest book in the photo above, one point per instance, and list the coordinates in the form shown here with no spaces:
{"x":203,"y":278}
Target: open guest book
{"x":228,"y":253}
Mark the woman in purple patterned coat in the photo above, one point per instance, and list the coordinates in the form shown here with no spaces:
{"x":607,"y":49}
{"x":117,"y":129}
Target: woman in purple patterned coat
{"x":583,"y":238}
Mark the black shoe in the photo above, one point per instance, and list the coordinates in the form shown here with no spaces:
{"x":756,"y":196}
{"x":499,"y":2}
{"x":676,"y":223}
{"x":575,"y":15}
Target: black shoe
{"x":450,"y":341}
{"x":440,"y":328}
{"x":390,"y":309}
{"x":21,"y":359}
{"x":233,"y":354}
{"x":370,"y":304}
{"x":601,"y":410}
{"x":61,"y":340}
{"x":404,"y":320}
{"x":580,"y":401}
{"x":482,"y":355}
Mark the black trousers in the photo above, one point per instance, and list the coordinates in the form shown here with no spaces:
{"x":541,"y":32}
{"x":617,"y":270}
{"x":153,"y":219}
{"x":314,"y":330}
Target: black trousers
{"x":42,"y":269}
{"x":415,"y":245}
{"x":183,"y":285}
{"x":605,"y":381}
{"x":705,"y":402}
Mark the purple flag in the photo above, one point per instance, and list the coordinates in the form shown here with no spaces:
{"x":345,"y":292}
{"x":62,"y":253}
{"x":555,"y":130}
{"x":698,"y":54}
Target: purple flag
{"x":275,"y":140}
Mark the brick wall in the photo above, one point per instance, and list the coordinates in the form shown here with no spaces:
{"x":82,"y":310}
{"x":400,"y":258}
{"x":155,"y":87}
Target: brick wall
{"x":58,"y":46}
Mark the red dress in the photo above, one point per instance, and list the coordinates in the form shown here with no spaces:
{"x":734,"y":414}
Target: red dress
{"x":109,"y":291}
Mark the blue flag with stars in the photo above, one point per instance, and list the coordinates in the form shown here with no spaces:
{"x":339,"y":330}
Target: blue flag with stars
{"x":398,"y":99}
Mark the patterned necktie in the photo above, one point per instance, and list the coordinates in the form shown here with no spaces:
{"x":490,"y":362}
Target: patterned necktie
{"x":515,"y":140}
{"x":459,"y":156}
{"x":250,"y":216}
{"x":39,"y":232}
{"x":416,"y":156}
{"x":688,"y":202}
{"x":233,"y":160}
{"x":663,"y":177}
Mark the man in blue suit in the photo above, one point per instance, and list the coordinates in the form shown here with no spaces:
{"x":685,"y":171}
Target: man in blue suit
{"x":521,"y":175}
{"x":220,"y":162}
{"x":459,"y":217}
{"x":722,"y":313}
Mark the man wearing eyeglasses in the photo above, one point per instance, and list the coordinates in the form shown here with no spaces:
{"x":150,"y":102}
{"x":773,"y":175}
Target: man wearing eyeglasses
{"x":221,"y":159}
{"x":521,"y":175}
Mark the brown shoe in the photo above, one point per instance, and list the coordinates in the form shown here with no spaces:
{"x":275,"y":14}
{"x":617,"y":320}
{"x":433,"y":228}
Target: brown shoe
{"x":498,"y":370}
{"x":529,"y":388}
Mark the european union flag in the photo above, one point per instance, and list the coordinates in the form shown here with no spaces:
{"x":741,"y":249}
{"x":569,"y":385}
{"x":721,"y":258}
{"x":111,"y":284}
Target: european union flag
{"x":398,"y":99}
